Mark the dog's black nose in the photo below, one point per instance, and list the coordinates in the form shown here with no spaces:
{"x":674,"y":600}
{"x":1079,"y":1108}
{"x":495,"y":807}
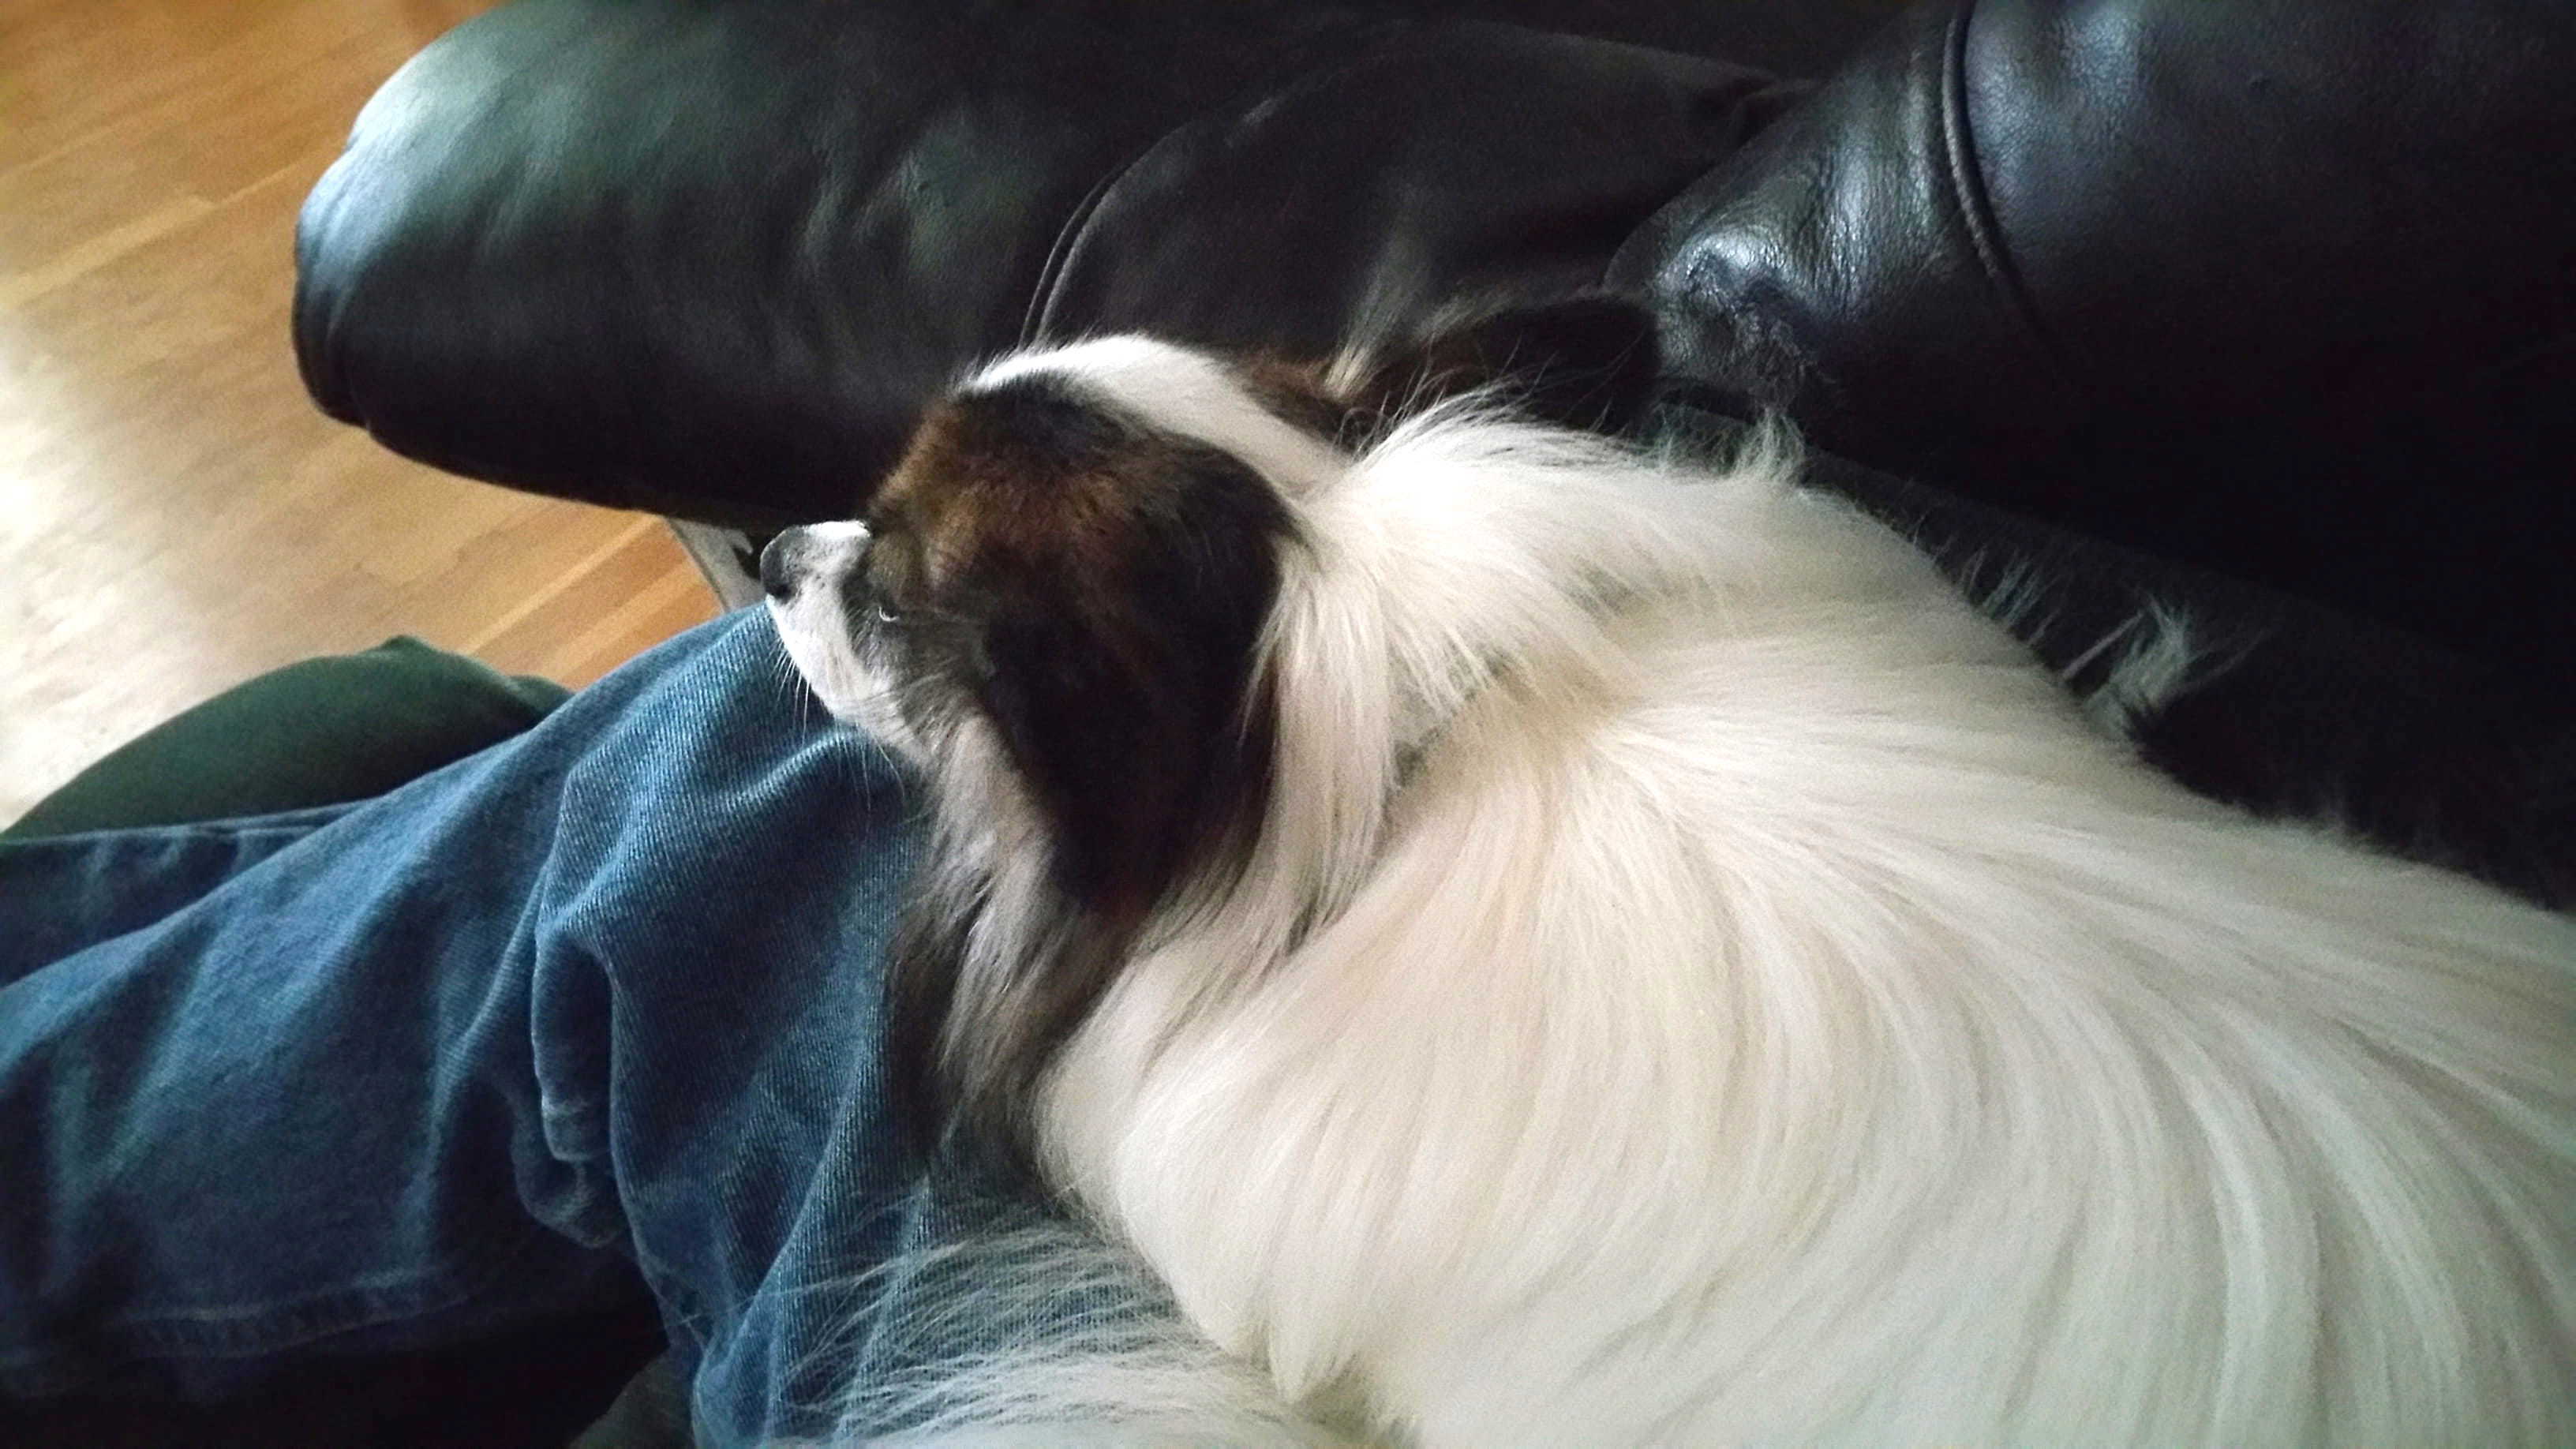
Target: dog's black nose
{"x":778,"y":567}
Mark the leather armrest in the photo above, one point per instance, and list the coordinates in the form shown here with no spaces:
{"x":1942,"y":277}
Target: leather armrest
{"x":2282,"y":287}
{"x":708,"y":259}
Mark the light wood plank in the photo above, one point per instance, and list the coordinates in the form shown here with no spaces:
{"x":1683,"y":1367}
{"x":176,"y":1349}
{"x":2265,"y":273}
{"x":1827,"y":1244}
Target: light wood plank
{"x":175,"y":516}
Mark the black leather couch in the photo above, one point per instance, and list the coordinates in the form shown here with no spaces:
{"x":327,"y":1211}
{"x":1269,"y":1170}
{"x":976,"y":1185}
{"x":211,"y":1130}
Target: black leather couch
{"x":2279,"y":285}
{"x":2265,"y":308}
{"x":2276,"y":293}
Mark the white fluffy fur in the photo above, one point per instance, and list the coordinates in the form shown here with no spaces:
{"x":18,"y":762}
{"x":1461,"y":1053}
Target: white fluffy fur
{"x":1753,"y":1004}
{"x":1181,"y":392}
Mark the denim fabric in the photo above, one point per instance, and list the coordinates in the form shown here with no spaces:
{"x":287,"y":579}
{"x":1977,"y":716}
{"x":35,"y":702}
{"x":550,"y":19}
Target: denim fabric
{"x":382,"y":1075}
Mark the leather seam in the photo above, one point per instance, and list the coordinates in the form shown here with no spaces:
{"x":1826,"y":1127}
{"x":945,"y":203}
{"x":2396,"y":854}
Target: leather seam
{"x":1067,"y":237}
{"x":1968,"y":192}
{"x":1294,"y":72}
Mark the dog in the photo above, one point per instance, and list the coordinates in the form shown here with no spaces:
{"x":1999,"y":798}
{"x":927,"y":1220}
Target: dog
{"x":1536,"y":941}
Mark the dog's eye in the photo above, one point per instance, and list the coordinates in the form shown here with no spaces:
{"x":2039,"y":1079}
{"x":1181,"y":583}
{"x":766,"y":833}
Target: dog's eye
{"x":888,"y":614}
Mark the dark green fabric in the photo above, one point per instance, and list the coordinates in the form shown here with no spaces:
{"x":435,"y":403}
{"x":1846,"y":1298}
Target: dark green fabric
{"x":322,"y":732}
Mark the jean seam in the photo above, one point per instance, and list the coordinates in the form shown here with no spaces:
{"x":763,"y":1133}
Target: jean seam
{"x":246,"y":827}
{"x":252,"y":1330}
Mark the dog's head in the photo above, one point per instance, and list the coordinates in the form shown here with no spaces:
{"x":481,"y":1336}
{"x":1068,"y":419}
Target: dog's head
{"x":1064,"y":606}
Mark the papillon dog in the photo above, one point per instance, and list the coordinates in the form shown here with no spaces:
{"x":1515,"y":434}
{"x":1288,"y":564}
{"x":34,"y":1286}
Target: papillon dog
{"x":1536,"y":941}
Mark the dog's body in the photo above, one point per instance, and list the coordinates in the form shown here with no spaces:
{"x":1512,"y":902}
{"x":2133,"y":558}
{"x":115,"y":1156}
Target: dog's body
{"x":1638,"y":960}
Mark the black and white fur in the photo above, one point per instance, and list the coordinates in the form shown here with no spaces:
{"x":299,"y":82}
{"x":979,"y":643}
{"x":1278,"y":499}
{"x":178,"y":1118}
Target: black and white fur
{"x":1537,"y":943}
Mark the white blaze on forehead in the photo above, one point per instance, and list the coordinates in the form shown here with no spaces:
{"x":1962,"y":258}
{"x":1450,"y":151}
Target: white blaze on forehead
{"x":1184,"y":393}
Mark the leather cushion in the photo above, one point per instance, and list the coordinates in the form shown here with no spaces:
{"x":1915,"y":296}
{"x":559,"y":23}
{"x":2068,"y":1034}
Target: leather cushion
{"x":710,"y":259}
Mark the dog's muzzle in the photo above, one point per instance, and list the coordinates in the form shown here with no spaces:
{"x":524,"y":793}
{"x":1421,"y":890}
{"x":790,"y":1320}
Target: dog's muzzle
{"x":799,"y":555}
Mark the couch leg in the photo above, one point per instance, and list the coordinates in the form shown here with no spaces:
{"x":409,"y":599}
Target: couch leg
{"x":728,"y":557}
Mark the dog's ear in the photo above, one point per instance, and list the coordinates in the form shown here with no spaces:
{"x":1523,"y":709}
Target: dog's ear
{"x":1129,"y":708}
{"x":1092,"y":731}
{"x":1123,"y":689}
{"x":1588,"y":362}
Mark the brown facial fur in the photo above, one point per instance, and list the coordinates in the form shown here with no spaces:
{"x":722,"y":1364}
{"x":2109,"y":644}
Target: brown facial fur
{"x":986,"y":488}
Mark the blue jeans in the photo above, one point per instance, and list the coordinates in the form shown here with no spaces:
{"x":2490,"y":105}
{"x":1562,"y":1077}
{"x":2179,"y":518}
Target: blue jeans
{"x":601,"y":998}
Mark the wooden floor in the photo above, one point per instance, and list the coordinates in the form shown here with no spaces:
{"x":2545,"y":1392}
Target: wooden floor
{"x":175,"y":516}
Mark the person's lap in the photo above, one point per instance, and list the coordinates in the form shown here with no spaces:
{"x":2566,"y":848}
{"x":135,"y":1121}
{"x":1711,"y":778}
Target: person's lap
{"x":400,"y":1072}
